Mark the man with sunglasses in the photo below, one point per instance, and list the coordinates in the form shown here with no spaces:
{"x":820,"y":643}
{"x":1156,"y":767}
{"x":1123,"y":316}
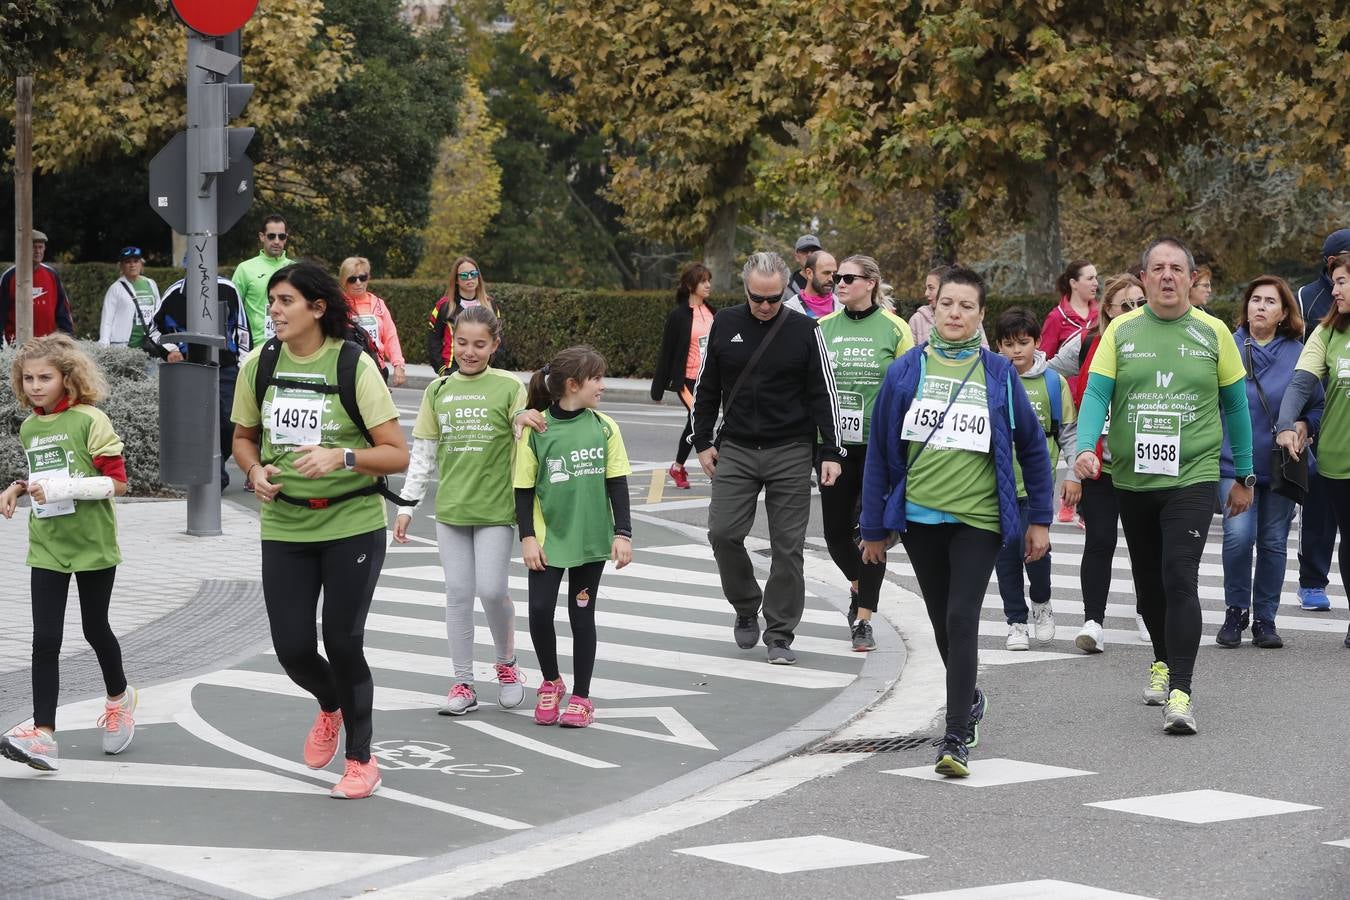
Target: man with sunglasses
{"x":767,"y":369}
{"x":251,"y":276}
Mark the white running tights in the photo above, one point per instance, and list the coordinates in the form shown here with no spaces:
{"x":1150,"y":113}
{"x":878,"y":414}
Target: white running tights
{"x":475,"y":559}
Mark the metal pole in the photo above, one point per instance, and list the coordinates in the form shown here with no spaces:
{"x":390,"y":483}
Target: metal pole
{"x":23,"y":208}
{"x":199,"y":288}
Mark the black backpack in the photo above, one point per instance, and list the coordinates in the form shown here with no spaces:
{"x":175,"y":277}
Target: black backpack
{"x":348,"y":358}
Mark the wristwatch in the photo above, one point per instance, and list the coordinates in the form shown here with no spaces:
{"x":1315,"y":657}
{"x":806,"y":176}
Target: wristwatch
{"x":1249,"y":481}
{"x":349,"y":460}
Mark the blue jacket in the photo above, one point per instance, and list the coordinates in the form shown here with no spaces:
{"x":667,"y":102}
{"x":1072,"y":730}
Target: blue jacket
{"x":1274,"y":365}
{"x":1314,"y":298}
{"x":1011,"y":417}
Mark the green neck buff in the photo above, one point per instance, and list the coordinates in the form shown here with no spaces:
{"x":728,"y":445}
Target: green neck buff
{"x":954,"y":349}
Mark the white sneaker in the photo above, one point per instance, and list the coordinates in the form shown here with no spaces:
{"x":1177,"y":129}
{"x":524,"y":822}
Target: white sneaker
{"x":1090,"y":638}
{"x":1017,"y":637}
{"x":1042,"y":622}
{"x":1143,"y":629}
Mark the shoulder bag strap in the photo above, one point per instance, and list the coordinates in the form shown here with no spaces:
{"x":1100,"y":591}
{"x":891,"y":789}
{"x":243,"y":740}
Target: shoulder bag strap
{"x":754,"y":357}
{"x":135,"y":304}
{"x":950,"y":403}
{"x":1260,"y":392}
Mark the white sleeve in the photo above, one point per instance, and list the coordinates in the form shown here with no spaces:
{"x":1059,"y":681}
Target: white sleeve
{"x":108,"y":320}
{"x":421,"y":469}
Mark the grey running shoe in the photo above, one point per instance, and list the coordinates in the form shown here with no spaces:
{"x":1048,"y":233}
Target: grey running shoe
{"x":1179,"y":714}
{"x":862,"y":636}
{"x":1159,"y":676}
{"x":510,"y":685}
{"x":462,"y":699}
{"x":31,"y":746}
{"x":746,"y":631}
{"x":117,"y":724}
{"x":780,"y":654}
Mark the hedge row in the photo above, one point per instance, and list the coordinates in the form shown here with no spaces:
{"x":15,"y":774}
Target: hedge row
{"x":624,"y":326}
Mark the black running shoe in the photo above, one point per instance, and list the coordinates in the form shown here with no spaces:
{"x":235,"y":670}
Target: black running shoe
{"x":1347,"y":639}
{"x":1265,"y":636}
{"x":746,"y":631}
{"x":977,"y":711}
{"x":852,"y":614}
{"x":953,"y":758}
{"x":1234,"y":623}
{"x":863,"y":641}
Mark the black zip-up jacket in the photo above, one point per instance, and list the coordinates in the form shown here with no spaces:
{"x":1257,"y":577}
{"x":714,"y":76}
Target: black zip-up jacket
{"x":670,"y":362}
{"x":788,"y":397}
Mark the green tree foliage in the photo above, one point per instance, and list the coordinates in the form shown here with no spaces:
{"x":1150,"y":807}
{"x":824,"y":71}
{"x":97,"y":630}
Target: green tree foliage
{"x":31,"y":30}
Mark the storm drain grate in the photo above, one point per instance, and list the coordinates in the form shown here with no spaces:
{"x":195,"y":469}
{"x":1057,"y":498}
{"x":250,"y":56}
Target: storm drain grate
{"x":874,"y":745}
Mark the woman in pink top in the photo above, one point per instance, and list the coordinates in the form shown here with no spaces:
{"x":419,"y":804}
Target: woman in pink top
{"x":372,"y":314}
{"x":682,"y":345}
{"x":1077,"y":310}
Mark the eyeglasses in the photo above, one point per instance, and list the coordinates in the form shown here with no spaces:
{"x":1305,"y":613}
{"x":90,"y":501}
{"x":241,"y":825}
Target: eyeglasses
{"x":767,"y":298}
{"x":1128,"y":305}
{"x":848,"y":278}
{"x":353,"y":279}
{"x":131,"y":253}
{"x":276,"y":237}
{"x":469,"y":275}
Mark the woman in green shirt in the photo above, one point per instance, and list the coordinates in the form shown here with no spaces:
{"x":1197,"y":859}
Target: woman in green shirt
{"x":329,"y":532}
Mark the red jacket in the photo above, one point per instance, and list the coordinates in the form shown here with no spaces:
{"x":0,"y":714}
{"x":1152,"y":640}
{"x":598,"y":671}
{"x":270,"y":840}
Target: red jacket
{"x":1063,"y":323}
{"x":51,"y":307}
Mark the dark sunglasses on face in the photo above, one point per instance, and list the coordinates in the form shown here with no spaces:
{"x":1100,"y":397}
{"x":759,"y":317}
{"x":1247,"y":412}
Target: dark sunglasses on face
{"x":757,"y":298}
{"x":277,"y":237}
{"x":469,"y":275}
{"x":353,"y":279}
{"x":847,"y":278}
{"x":1127,"y":305}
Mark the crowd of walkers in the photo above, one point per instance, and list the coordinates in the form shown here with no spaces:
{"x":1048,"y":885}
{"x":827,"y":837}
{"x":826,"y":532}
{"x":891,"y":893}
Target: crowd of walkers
{"x":920,"y":433}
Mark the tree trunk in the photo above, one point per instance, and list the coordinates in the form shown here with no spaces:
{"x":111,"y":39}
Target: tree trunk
{"x":719,"y":243}
{"x":23,"y":208}
{"x":1042,"y":253}
{"x":946,"y":234}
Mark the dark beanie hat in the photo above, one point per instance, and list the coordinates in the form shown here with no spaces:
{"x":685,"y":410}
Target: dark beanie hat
{"x":1336,"y":242}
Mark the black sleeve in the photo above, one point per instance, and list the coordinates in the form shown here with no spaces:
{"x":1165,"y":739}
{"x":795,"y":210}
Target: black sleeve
{"x":7,"y":287}
{"x":64,"y":320}
{"x":525,"y":512}
{"x":661,"y":377}
{"x":436,"y":339}
{"x":707,"y":394}
{"x":824,"y":399}
{"x":617,"y":488}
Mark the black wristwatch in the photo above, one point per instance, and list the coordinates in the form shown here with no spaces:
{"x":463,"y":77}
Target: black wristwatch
{"x":349,"y":460}
{"x":1249,"y":481}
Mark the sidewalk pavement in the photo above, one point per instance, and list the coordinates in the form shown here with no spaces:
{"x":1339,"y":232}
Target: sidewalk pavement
{"x":631,"y":390}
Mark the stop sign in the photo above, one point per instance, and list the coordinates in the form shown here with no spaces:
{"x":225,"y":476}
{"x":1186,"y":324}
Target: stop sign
{"x":215,"y":18}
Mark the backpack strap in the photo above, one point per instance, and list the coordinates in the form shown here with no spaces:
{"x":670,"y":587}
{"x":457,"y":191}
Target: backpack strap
{"x":267,"y":367}
{"x":1052,"y":389}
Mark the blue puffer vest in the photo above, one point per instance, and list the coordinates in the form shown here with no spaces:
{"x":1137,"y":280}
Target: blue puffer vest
{"x":1012,"y":419}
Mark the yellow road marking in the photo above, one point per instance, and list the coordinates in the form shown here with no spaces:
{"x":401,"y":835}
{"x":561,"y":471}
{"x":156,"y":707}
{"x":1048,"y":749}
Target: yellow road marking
{"x":658,"y":486}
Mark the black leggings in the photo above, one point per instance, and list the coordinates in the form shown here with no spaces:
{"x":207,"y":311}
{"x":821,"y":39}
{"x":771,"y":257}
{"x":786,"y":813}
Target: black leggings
{"x":293,"y":572}
{"x":953,"y":564}
{"x":1166,"y":533}
{"x":544,"y":600}
{"x":839,"y":507}
{"x":1338,"y":493}
{"x":687,"y":398}
{"x":49,"y":591}
{"x":1100,"y":514}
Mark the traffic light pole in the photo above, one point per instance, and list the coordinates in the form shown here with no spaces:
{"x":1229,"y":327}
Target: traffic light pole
{"x":205,"y":141}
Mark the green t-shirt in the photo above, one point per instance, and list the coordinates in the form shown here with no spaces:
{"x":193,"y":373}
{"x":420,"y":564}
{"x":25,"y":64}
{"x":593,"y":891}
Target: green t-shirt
{"x":470,"y":419}
{"x":952,"y":479}
{"x":1327,"y":356}
{"x":76,"y":535}
{"x":250,"y":279}
{"x":145,"y":302}
{"x":861,"y":350}
{"x":294,"y":418}
{"x":1039,"y":395}
{"x":1166,"y":430}
{"x":567,"y":466}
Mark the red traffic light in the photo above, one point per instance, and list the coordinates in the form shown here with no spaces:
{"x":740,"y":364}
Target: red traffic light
{"x":215,"y":18}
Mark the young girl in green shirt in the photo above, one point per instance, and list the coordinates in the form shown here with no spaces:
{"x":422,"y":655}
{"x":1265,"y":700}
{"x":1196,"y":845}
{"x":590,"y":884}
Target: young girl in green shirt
{"x":75,"y":468}
{"x":572,"y":511}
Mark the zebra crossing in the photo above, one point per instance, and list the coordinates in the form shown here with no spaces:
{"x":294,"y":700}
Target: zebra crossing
{"x":213,"y":787}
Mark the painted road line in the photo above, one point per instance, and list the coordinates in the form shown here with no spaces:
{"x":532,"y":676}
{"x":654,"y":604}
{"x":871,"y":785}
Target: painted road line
{"x":192,"y":722}
{"x":210,"y":778}
{"x":743,"y":669}
{"x":634,"y":570}
{"x":647,"y":625}
{"x":1113,"y":636}
{"x":260,"y":872}
{"x":526,"y":743}
{"x":694,"y":503}
{"x":658,"y":486}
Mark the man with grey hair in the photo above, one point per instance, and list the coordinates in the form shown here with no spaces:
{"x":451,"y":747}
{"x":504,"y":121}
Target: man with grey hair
{"x":766,"y":369}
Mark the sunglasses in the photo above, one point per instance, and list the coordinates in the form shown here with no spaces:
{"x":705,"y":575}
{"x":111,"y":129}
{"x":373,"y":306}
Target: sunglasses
{"x":353,"y":279}
{"x":131,"y":253}
{"x":276,"y":237}
{"x":848,"y":278}
{"x":1128,"y":305}
{"x":767,"y":298}
{"x":469,"y":275}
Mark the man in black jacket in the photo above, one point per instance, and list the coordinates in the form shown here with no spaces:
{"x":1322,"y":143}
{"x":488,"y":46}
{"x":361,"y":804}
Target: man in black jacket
{"x":772,"y":413}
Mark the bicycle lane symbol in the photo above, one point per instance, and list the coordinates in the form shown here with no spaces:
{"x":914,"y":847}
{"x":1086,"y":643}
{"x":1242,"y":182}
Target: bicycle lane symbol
{"x":435,"y":757}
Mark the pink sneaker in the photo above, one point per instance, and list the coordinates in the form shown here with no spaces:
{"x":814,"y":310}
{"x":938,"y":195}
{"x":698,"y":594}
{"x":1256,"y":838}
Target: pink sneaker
{"x":360,"y":780}
{"x":579,"y":713}
{"x":1065,"y":512}
{"x":546,"y":707}
{"x":321,"y":744}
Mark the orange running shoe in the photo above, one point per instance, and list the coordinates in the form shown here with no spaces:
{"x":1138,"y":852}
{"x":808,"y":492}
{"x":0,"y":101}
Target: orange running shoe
{"x":360,"y":780}
{"x":321,"y":744}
